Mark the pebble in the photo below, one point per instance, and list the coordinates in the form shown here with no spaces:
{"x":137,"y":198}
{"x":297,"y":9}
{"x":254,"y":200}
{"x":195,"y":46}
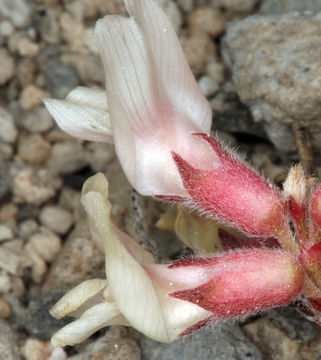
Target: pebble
{"x":5,"y":282}
{"x":39,"y":266}
{"x":26,"y":71}
{"x":78,"y":260}
{"x":27,"y":228}
{"x":226,"y":342}
{"x":207,"y":19}
{"x":5,"y":179}
{"x":276,"y":74}
{"x":281,"y":7}
{"x":38,"y":120}
{"x":99,"y":155}
{"x":216,"y":71}
{"x":27,"y":48}
{"x":13,"y":262}
{"x":34,"y":186}
{"x":49,"y":26}
{"x":56,"y":218}
{"x":7,"y":66}
{"x":235,"y":8}
{"x":67,"y":157}
{"x":72,"y":31}
{"x":35,"y":349}
{"x":8,"y":131}
{"x":18,"y":11}
{"x":31,"y":96}
{"x":8,"y":342}
{"x":208,"y":86}
{"x":6,"y":232}
{"x":34,"y":149}
{"x":46,"y":244}
{"x":5,"y":309}
{"x":8,"y":213}
{"x":61,"y":78}
{"x":198,"y":49}
{"x":6,"y":28}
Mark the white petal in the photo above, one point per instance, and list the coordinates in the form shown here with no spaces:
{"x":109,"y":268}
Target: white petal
{"x":90,"y":97}
{"x":76,"y":297}
{"x":81,"y":121}
{"x":95,"y":318}
{"x":130,"y":285}
{"x":172,"y":68}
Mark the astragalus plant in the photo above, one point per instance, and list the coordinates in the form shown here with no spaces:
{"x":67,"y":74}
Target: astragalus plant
{"x":159,"y":122}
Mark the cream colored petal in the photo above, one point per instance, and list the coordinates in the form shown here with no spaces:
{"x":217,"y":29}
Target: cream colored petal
{"x":130,"y":285}
{"x":81,"y":121}
{"x":90,"y":97}
{"x":76,"y":297}
{"x":95,"y":318}
{"x":172,"y":69}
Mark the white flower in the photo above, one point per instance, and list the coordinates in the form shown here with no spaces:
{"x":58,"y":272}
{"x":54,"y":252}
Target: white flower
{"x":136,"y":292}
{"x":153,"y":100}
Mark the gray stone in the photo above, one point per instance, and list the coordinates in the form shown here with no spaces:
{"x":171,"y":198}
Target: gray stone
{"x":61,"y":78}
{"x":276,"y":63}
{"x":5,"y":179}
{"x":37,"y":120}
{"x":18,"y":11}
{"x":226,"y":342}
{"x":278,"y":7}
{"x":8,"y":343}
{"x":7,"y":66}
{"x":8,"y":131}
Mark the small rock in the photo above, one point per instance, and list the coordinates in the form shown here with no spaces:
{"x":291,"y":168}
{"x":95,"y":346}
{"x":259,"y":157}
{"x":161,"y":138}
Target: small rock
{"x":208,"y":86}
{"x":6,"y":28}
{"x":56,"y":218}
{"x":26,"y":71}
{"x":46,"y":244}
{"x":8,"y":213}
{"x":27,"y":228}
{"x":18,"y":11}
{"x":78,"y":260}
{"x":6,"y":150}
{"x":275,"y":72}
{"x":34,"y":149}
{"x":8,"y":342}
{"x":5,"y":179}
{"x":61,"y":78}
{"x":8,"y":131}
{"x":33,"y":186}
{"x":235,"y":8}
{"x":5,"y":282}
{"x":67,"y":157}
{"x":27,"y":48}
{"x":198,"y":49}
{"x":39,"y":267}
{"x":207,"y":19}
{"x":281,"y":7}
{"x":35,"y":349}
{"x":73,"y":31}
{"x":88,"y":66}
{"x":31,"y":96}
{"x":37,"y":319}
{"x":6,"y":232}
{"x":5,"y":309}
{"x":38,"y":120}
{"x":216,"y":71}
{"x":99,"y":155}
{"x":13,"y":262}
{"x":49,"y":26}
{"x":226,"y":342}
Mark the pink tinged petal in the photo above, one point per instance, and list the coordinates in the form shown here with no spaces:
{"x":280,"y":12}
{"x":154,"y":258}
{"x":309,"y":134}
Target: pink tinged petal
{"x":146,"y":124}
{"x":172,"y":70}
{"x":244,"y":282}
{"x":92,"y":320}
{"x":234,"y":193}
{"x":82,"y":121}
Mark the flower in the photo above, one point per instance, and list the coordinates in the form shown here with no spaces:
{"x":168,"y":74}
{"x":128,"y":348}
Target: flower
{"x":165,"y":302}
{"x":154,"y":102}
